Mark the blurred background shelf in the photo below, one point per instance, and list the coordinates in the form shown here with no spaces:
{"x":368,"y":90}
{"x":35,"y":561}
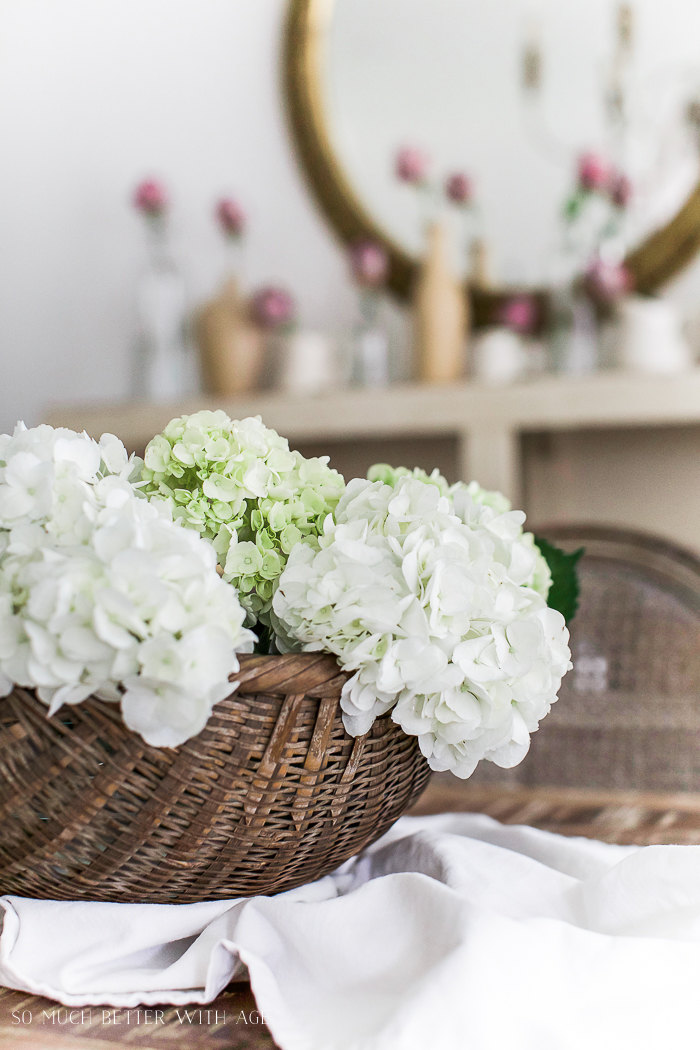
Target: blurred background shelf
{"x":603,"y":400}
{"x":611,"y":448}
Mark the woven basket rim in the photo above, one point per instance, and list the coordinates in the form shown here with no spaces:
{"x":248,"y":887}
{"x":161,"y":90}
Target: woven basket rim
{"x":319,"y":674}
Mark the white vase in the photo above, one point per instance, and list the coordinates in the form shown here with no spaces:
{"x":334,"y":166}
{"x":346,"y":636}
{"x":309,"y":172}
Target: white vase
{"x":650,"y":337}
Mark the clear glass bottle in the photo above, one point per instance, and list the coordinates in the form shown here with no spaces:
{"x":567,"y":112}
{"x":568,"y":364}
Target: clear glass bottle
{"x":370,"y":347}
{"x":573,"y":334}
{"x":164,"y":367}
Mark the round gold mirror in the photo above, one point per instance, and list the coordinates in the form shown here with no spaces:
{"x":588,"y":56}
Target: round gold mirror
{"x":365,"y":77}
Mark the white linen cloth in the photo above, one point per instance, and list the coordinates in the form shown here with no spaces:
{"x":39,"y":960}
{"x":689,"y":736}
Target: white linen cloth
{"x":451,"y":932}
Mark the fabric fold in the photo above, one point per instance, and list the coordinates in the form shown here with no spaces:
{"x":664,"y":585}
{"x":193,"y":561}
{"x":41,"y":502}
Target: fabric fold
{"x":450,"y":931}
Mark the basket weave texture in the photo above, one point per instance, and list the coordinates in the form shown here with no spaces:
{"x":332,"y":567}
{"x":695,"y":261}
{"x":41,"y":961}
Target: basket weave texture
{"x":273,"y":793}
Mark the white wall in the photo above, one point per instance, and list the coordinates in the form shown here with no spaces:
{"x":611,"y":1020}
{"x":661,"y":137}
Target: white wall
{"x":445,"y":75}
{"x":95,"y":95}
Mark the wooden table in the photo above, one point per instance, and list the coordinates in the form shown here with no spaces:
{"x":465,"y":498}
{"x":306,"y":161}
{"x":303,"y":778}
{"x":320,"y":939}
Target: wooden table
{"x":232,"y":1021}
{"x":641,"y":818}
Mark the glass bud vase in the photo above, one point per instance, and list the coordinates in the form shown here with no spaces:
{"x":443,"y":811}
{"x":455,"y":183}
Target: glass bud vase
{"x":573,"y":333}
{"x":164,"y":369}
{"x":370,"y":344}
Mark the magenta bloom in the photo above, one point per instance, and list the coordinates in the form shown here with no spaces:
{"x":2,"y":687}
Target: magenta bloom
{"x":620,"y":189}
{"x":519,"y":314}
{"x":231,"y":217}
{"x":412,"y":165}
{"x":593,"y":172}
{"x":459,"y":189}
{"x":273,"y":307}
{"x":369,"y":263}
{"x":607,"y":282}
{"x":151,"y":197}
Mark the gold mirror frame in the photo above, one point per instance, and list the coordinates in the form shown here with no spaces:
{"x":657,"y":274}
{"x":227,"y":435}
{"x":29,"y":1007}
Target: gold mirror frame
{"x":659,"y":258}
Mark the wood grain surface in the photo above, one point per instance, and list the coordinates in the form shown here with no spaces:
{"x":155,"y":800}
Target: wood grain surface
{"x":642,"y":818}
{"x":231,"y":1022}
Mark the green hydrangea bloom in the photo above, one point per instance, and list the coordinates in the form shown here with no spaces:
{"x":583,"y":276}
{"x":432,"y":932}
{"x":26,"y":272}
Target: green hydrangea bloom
{"x":541,"y":579}
{"x":238,"y":484}
{"x":390,"y":475}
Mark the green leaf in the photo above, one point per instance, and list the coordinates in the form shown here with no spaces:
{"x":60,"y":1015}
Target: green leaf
{"x":572,"y":207}
{"x":564,"y":591}
{"x":575,"y":204}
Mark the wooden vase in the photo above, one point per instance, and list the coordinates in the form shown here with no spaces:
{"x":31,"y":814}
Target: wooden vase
{"x":441,"y":314}
{"x":231,"y":345}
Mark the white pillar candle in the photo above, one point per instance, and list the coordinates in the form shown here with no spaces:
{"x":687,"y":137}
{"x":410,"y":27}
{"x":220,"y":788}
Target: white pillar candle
{"x":498,"y":356}
{"x":650,"y":337}
{"x":308,"y":363}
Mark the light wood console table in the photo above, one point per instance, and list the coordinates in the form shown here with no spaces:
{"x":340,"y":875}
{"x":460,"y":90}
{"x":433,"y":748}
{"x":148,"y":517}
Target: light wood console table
{"x":486,"y":421}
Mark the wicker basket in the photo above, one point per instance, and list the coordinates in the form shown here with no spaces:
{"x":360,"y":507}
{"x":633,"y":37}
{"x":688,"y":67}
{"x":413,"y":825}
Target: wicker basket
{"x":273,"y":793}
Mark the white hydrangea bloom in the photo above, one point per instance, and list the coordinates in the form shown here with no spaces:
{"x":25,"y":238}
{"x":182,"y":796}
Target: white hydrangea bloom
{"x":540,"y":578}
{"x":102,"y":592}
{"x":427,"y":596}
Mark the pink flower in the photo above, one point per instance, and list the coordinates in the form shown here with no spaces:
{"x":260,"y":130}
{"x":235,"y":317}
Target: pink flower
{"x":151,"y":197}
{"x":620,"y":189}
{"x":411,"y":165}
{"x":459,"y":189}
{"x":231,"y":217}
{"x":369,"y":263}
{"x":519,"y":313}
{"x":272,"y":307}
{"x":607,"y":282}
{"x":593,"y":172}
